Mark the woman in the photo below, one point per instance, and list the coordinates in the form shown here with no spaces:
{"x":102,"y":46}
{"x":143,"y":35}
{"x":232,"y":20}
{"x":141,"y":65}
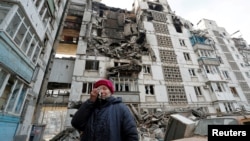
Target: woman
{"x":103,"y":117}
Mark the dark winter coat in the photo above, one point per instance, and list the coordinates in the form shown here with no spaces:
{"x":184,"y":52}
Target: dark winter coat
{"x":110,"y":120}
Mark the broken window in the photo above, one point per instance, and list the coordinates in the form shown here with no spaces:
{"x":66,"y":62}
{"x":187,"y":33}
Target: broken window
{"x":149,"y":16}
{"x":155,"y":6}
{"x":118,"y":87}
{"x":191,"y":72}
{"x":125,"y":84}
{"x":177,"y":24}
{"x":122,"y":87}
{"x":213,"y":69}
{"x":182,"y":42}
{"x":226,"y":74}
{"x":149,"y":89}
{"x":197,"y":90}
{"x":146,"y":69}
{"x":207,"y":69}
{"x":187,"y":56}
{"x":234,"y":91}
{"x":228,"y":107}
{"x":87,"y":87}
{"x":219,"y":87}
{"x":92,"y":65}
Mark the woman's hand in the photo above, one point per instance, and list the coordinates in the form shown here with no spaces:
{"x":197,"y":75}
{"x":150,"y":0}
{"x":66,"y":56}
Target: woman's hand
{"x":94,"y":95}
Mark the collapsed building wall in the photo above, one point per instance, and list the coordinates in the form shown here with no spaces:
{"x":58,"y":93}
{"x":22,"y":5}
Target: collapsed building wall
{"x":121,"y":45}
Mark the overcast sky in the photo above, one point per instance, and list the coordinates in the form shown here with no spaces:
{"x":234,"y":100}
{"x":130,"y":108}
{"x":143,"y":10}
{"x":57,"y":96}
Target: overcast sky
{"x":233,"y":15}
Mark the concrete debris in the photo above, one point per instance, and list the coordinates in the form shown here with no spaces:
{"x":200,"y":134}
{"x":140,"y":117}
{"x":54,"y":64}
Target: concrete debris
{"x":127,"y":69}
{"x":67,"y":134}
{"x":116,"y":34}
{"x":176,"y":20}
{"x":128,"y":49}
{"x":74,"y":104}
{"x":151,"y":128}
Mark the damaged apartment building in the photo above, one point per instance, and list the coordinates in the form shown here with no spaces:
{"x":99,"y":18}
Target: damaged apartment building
{"x":28,"y":31}
{"x":156,"y":60}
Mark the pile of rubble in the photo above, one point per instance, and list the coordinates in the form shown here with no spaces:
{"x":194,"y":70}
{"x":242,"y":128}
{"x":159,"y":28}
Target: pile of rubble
{"x":151,"y":127}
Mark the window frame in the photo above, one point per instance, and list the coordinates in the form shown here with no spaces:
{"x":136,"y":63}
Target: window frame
{"x":146,"y":69}
{"x":197,"y":90}
{"x":226,"y":74}
{"x":92,"y":65}
{"x":4,"y":82}
{"x":87,"y":87}
{"x":30,"y":50}
{"x":182,"y":42}
{"x":12,"y":106}
{"x":192,"y":72}
{"x":187,"y":56}
{"x":149,"y":89}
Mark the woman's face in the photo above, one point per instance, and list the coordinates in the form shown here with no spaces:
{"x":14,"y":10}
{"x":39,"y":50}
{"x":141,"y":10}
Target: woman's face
{"x":104,"y":91}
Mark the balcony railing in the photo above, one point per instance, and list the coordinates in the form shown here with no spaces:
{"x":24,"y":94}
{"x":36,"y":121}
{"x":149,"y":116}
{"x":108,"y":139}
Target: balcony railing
{"x":208,"y":61}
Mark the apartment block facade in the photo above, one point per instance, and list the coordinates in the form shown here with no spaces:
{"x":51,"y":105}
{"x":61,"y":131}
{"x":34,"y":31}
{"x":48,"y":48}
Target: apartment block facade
{"x":28,"y":31}
{"x":156,"y":59}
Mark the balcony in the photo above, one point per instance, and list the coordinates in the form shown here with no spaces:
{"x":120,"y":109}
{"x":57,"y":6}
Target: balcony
{"x":199,"y":46}
{"x":128,"y":97}
{"x":209,"y":61}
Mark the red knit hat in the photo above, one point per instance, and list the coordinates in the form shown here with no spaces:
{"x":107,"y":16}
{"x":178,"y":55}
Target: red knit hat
{"x":105,"y":82}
